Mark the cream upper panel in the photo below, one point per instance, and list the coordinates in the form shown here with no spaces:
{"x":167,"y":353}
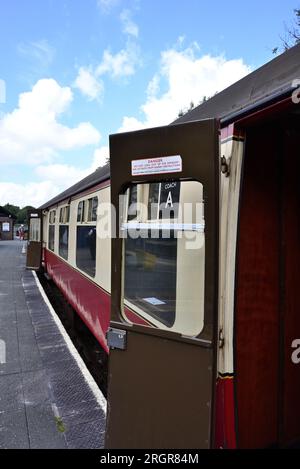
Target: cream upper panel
{"x":103,"y":243}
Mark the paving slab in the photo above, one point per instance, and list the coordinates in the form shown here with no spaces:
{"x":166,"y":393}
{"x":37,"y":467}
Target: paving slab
{"x":46,"y":400}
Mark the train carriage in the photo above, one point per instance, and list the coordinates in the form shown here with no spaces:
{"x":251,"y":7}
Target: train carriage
{"x":191,"y":279}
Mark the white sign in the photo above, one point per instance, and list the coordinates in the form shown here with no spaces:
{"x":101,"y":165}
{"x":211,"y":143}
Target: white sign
{"x":164,"y":164}
{"x":154,"y":301}
{"x":5,"y":226}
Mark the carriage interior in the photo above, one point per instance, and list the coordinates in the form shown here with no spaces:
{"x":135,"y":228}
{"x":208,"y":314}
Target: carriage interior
{"x":267,"y":315}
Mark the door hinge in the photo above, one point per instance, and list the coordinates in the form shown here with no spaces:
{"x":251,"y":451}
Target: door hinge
{"x":225,"y":166}
{"x":221,"y":338}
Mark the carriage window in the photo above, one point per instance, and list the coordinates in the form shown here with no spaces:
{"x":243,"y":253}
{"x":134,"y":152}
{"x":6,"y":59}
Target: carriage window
{"x":63,"y":241}
{"x":35,"y":230}
{"x":154,"y":190}
{"x":52,"y":216}
{"x":86,"y":249}
{"x":164,"y":257}
{"x":51,"y":232}
{"x":132,"y":208}
{"x":86,"y":236}
{"x":64,"y":214}
{"x":92,"y":209}
{"x":51,"y":237}
{"x":150,"y":279}
{"x":80,"y":211}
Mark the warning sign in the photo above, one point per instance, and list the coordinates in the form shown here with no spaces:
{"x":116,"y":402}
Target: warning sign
{"x":164,"y":164}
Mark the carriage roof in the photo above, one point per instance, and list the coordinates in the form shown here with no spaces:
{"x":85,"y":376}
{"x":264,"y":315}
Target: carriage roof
{"x":266,"y":84}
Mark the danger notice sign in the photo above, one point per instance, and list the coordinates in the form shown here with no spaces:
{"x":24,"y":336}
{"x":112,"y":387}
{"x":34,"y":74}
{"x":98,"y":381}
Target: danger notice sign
{"x":164,"y":164}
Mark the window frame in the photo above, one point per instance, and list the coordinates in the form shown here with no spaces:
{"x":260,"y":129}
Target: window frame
{"x":34,"y":230}
{"x":91,"y":216}
{"x":52,"y":224}
{"x":86,"y":219}
{"x":80,"y":218}
{"x":52,"y":217}
{"x":64,"y":220}
{"x":64,"y":215}
{"x":186,"y":227}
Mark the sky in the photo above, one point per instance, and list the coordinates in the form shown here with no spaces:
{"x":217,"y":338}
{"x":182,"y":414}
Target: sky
{"x":72,"y":72}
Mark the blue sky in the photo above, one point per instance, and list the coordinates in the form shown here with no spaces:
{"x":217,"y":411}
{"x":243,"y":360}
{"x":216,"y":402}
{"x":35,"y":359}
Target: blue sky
{"x":77,"y":70}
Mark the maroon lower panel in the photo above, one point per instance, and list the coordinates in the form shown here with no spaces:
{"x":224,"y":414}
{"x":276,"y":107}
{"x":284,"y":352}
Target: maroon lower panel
{"x":225,"y":414}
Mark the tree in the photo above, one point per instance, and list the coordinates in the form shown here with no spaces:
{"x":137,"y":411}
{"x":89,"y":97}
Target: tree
{"x":12,"y":209}
{"x":22,"y":214}
{"x":292,"y":34}
{"x":182,"y":112}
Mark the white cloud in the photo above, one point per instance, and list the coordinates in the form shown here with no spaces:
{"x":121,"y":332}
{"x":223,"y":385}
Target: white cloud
{"x":131,"y":123}
{"x":100,"y":158}
{"x":88,"y":84}
{"x":63,"y":175}
{"x":121,"y":64}
{"x":128,"y":25}
{"x":188,"y":77}
{"x":32,"y":134}
{"x":38,"y":51}
{"x":32,"y":193}
{"x":153,"y":86}
{"x":106,"y":5}
{"x":54,"y":179}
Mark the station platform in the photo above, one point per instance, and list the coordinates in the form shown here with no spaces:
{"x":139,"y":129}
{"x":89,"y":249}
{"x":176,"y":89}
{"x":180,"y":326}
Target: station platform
{"x":48,"y":399}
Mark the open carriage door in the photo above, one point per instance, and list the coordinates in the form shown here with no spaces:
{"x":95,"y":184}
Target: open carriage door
{"x":34,"y":245}
{"x":163,"y":330}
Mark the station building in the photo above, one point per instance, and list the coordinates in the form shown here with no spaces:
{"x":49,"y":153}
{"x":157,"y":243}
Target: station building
{"x":6,"y":225}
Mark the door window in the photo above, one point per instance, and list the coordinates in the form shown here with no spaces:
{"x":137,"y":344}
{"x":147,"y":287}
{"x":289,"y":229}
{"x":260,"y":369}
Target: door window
{"x":164,"y":255}
{"x":35,"y":230}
